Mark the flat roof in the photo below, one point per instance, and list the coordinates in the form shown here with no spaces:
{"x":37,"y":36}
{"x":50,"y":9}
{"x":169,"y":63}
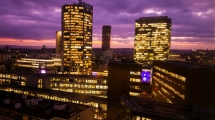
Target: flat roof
{"x":140,"y":105}
{"x":44,"y":109}
{"x":186,"y":64}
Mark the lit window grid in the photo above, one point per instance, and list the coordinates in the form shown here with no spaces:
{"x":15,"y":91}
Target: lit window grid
{"x":157,"y":93}
{"x":34,"y":63}
{"x":79,"y":25}
{"x":135,"y":80}
{"x":84,"y":86}
{"x":165,"y":93}
{"x":151,"y":36}
{"x":180,"y":85}
{"x":134,"y":73}
{"x":179,"y":77}
{"x":95,"y":105}
{"x":170,"y":88}
{"x":134,"y":94}
{"x":7,"y":78}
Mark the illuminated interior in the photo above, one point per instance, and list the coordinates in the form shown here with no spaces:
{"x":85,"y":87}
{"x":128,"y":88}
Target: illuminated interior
{"x":167,"y":85}
{"x":152,"y":38}
{"x":13,"y":79}
{"x":95,"y":87}
{"x":77,"y":38}
{"x":95,"y":105}
{"x":36,"y":63}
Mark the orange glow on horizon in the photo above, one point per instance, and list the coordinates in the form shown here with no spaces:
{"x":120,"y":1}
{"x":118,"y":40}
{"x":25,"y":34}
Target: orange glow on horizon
{"x":127,"y":43}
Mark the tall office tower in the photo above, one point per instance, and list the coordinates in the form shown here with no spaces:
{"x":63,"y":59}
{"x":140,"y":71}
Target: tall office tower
{"x":77,"y":38}
{"x":106,"y":32}
{"x":152,"y":39}
{"x":58,"y":41}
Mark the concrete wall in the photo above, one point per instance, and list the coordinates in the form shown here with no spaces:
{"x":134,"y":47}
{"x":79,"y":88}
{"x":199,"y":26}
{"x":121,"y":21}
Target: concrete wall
{"x":86,"y":114}
{"x":32,"y":81}
{"x":119,"y":78}
{"x":199,"y":85}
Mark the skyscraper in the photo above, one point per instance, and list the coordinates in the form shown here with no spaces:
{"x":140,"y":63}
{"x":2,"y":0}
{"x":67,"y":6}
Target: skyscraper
{"x":106,"y":32}
{"x":58,"y":41}
{"x":152,"y":38}
{"x":77,"y":38}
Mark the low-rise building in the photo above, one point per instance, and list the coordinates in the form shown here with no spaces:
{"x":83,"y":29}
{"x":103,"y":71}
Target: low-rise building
{"x":23,"y":107}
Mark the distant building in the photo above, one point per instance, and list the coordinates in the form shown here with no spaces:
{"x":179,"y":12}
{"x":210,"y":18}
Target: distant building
{"x":106,"y":33}
{"x":30,"y":64}
{"x":58,"y":42}
{"x":8,"y":60}
{"x":101,"y":59}
{"x":107,"y":55}
{"x":152,"y":39}
{"x":176,"y":57}
{"x":183,"y":83}
{"x":96,"y":53}
{"x":77,"y":38}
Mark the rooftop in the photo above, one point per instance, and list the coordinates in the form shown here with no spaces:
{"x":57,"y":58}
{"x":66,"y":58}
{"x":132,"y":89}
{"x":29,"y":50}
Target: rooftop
{"x":188,"y":65}
{"x":153,"y":17}
{"x":146,"y":106}
{"x":39,"y":107}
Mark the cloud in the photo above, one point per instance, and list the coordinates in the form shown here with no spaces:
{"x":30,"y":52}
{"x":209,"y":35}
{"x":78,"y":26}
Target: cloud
{"x":39,"y":19}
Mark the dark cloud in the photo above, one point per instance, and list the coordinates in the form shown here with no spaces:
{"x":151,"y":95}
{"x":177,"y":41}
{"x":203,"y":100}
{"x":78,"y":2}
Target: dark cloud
{"x":38,"y":19}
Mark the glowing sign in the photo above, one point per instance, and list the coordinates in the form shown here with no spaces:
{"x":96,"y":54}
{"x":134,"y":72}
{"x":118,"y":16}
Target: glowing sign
{"x":146,"y":76}
{"x":43,"y":71}
{"x":94,"y":73}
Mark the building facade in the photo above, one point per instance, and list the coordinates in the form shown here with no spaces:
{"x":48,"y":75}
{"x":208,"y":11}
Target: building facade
{"x":131,"y":77}
{"x":183,"y":83}
{"x":77,"y":38}
{"x":106,"y":32}
{"x":80,"y":89}
{"x":137,"y":108}
{"x":152,"y":38}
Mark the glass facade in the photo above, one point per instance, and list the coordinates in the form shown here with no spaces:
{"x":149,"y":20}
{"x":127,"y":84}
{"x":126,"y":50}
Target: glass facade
{"x":37,"y":63}
{"x":168,"y":86}
{"x":152,"y":38}
{"x":95,"y":87}
{"x":77,"y":38}
{"x":106,"y":32}
{"x":12,"y":79}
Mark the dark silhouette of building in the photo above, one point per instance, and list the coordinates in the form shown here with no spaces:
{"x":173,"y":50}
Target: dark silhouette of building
{"x":106,"y":33}
{"x":137,"y":108}
{"x":183,"y":83}
{"x":125,"y":77}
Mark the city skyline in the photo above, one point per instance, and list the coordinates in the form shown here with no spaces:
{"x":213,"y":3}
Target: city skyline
{"x":192,"y":22}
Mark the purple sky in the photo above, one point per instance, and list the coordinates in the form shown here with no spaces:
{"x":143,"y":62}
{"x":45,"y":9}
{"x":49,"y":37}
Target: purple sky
{"x":34,"y":22}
